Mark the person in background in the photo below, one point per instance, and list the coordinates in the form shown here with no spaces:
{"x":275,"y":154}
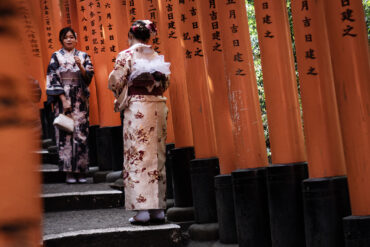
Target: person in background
{"x":68,"y":77}
{"x":139,"y":78}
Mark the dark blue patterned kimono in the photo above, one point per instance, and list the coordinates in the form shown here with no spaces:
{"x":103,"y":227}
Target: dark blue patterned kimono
{"x":64,"y":77}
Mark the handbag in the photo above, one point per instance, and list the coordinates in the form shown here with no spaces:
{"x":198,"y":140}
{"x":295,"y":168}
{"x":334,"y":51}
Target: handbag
{"x":64,"y":122}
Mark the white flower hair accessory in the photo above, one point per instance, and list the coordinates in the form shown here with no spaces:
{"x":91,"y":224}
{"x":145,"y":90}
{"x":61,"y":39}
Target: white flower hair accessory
{"x":151,"y":26}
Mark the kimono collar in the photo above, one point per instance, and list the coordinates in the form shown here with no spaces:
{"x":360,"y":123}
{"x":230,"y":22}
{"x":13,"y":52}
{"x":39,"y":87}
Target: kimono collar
{"x":142,"y":48}
{"x":64,"y":51}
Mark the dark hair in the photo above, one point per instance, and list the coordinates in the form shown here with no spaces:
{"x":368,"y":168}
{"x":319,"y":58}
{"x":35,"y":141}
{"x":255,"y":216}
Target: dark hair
{"x":140,"y":31}
{"x":63,"y":33}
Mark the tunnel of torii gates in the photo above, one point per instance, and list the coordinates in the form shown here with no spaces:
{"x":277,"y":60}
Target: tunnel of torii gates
{"x":213,"y":98}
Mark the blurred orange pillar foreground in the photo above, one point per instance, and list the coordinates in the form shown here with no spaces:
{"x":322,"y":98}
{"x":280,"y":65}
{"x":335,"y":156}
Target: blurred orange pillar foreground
{"x":320,"y":111}
{"x":283,"y":113}
{"x":350,"y":59}
{"x":20,"y":204}
{"x":248,"y":133}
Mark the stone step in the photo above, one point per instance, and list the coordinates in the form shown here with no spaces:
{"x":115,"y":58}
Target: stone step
{"x":51,"y":173}
{"x":64,"y":197}
{"x":105,"y":227}
{"x":48,"y":158}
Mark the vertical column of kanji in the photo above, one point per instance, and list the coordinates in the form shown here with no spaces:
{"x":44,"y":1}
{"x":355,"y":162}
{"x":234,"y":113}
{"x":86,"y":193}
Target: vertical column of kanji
{"x":151,"y":13}
{"x":49,"y":32}
{"x":86,"y":45}
{"x":350,"y":59}
{"x":110,"y":33}
{"x":120,"y":20}
{"x":283,"y":114}
{"x":170,"y":36}
{"x":107,"y":117}
{"x":135,"y":10}
{"x":217,"y":83}
{"x":196,"y":81}
{"x":251,"y":208}
{"x":20,"y":206}
{"x":322,"y":128}
{"x":249,"y":138}
{"x":29,"y":27}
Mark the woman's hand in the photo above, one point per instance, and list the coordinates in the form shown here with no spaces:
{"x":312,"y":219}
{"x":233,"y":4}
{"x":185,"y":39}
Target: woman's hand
{"x":66,"y":104}
{"x":78,"y":61}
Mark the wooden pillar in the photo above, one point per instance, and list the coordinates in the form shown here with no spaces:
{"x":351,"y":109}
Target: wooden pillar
{"x":150,"y":8}
{"x":283,"y":112}
{"x":249,"y":138}
{"x":50,"y":29}
{"x":196,"y":80}
{"x":29,"y":28}
{"x":350,"y":58}
{"x":320,"y":112}
{"x":119,"y":9}
{"x":103,"y":64}
{"x":20,"y":217}
{"x":217,"y":83}
{"x":171,"y":36}
{"x":86,"y":46}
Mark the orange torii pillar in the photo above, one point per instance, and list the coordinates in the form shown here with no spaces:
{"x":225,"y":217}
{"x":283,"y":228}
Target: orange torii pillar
{"x":119,"y":9}
{"x":283,"y":113}
{"x":350,"y":58}
{"x":250,"y":207}
{"x":218,"y":89}
{"x":217,"y":85}
{"x":110,"y":122}
{"x":29,"y":27}
{"x":284,"y":121}
{"x":325,"y":194}
{"x":49,"y":33}
{"x":20,"y":207}
{"x":206,"y":165}
{"x":151,"y":13}
{"x":170,"y":36}
{"x":108,"y":40}
{"x":84,"y":34}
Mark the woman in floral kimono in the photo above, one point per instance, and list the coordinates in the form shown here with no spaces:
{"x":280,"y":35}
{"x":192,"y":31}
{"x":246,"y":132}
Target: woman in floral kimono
{"x":138,"y":81}
{"x":68,"y":76}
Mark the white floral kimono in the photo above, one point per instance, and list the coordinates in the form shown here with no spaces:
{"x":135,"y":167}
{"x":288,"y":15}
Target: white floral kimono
{"x":138,"y":81}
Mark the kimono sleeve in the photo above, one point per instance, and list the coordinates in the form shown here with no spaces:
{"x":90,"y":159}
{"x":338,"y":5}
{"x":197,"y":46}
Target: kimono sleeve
{"x":53,"y":84}
{"x":88,"y":68}
{"x":118,"y":78}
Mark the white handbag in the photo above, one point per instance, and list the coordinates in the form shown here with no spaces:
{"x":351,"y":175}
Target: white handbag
{"x":64,"y":122}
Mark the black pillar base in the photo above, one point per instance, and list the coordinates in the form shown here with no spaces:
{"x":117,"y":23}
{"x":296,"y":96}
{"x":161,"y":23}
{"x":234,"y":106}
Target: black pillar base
{"x":325,"y":203}
{"x":202,"y":172}
{"x":117,"y":148}
{"x":181,"y":176}
{"x":92,"y":143}
{"x":284,"y":182}
{"x":251,"y":207}
{"x":357,"y":231}
{"x":169,"y":189}
{"x":225,"y":209}
{"x":110,"y":148}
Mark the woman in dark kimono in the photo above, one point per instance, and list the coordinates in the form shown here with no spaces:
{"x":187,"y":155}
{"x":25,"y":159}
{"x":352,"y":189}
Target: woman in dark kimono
{"x":68,"y":76}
